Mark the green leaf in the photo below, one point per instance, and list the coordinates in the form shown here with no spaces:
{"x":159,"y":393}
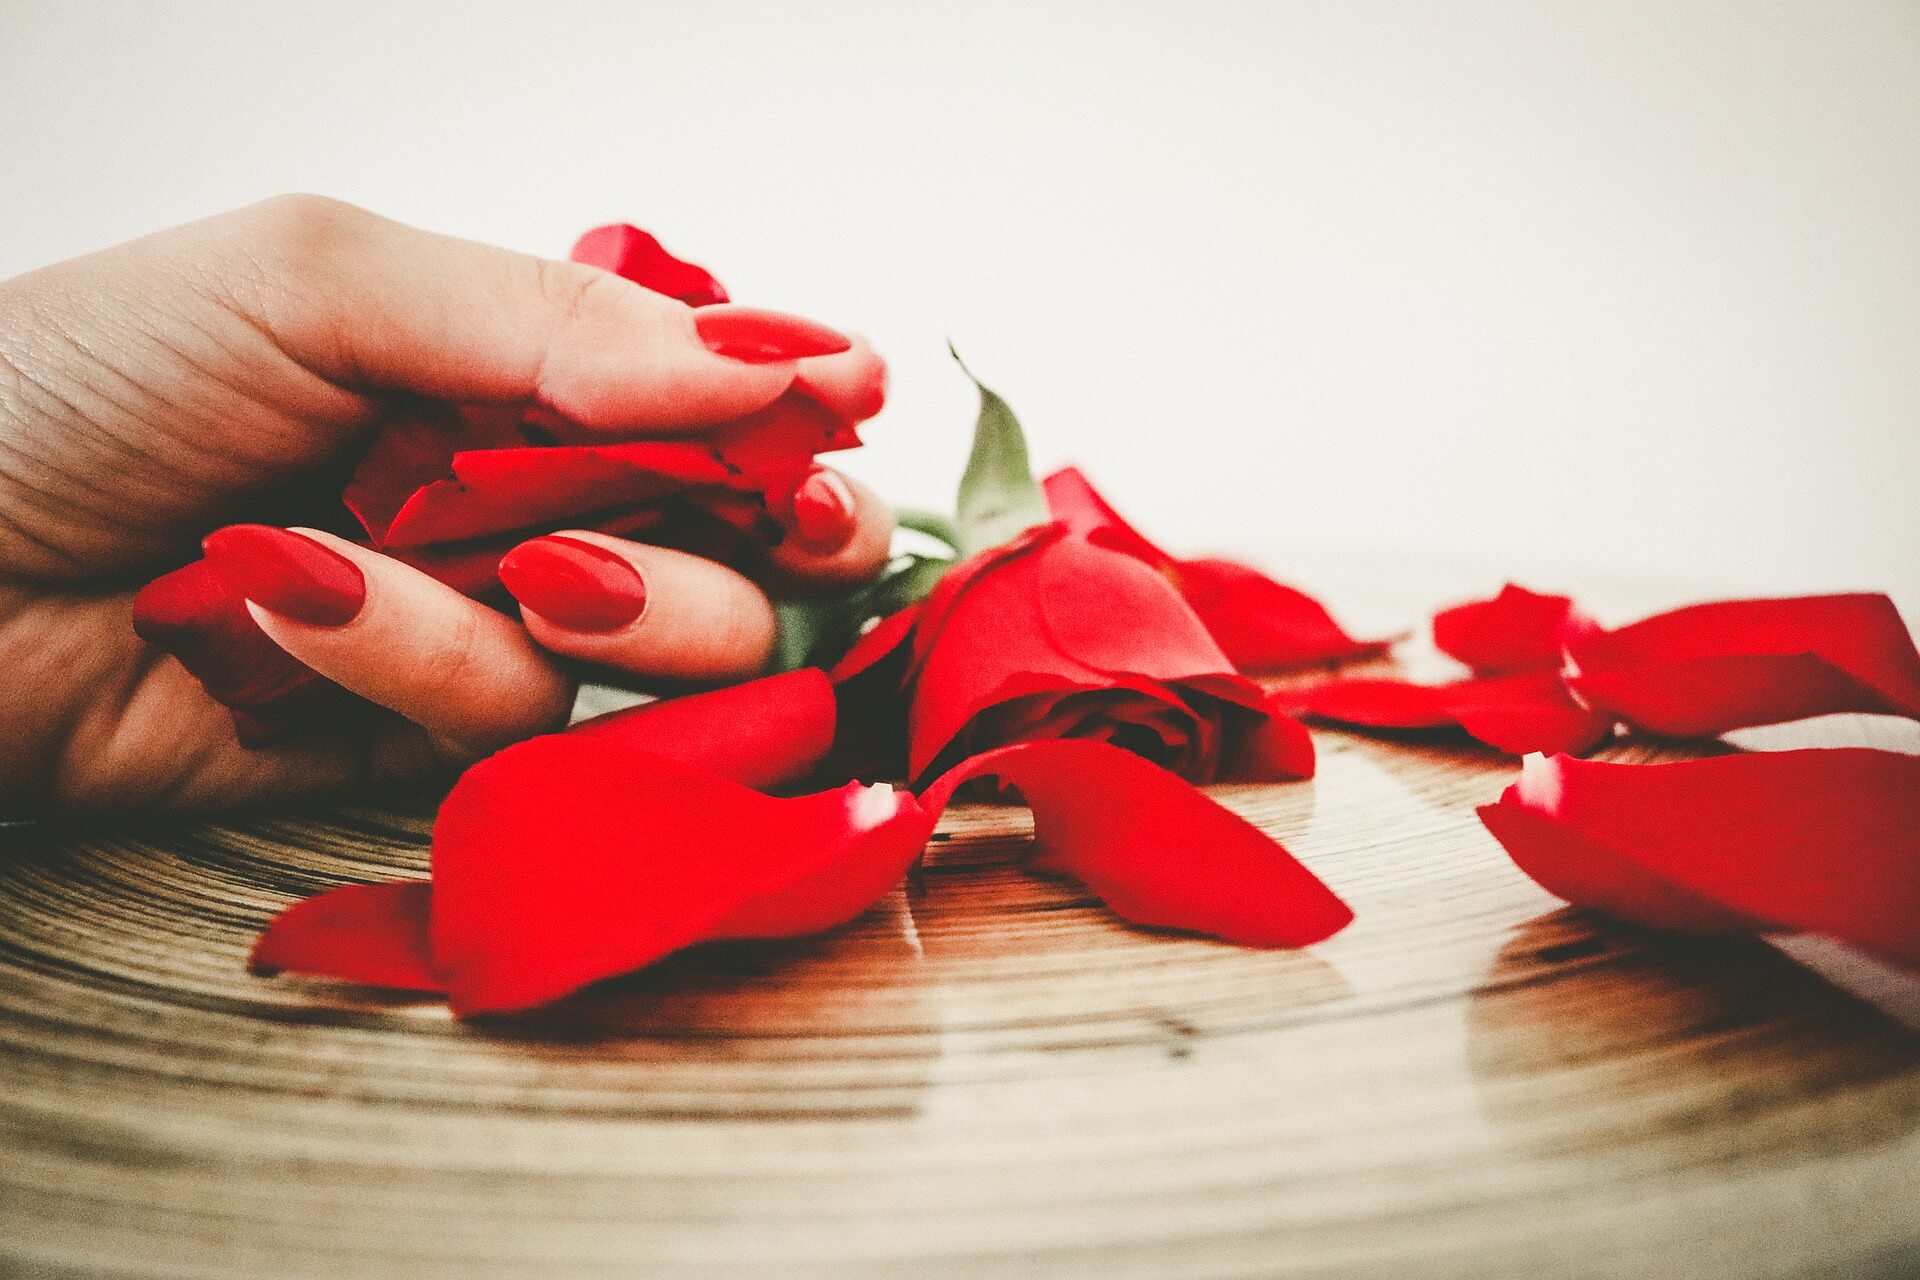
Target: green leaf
{"x":999,"y":498}
{"x":931,"y":523}
{"x":816,"y":633}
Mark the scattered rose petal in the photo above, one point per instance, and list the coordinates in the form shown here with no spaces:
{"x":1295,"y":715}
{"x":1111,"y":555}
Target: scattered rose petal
{"x":630,"y":854}
{"x":1263,"y":625}
{"x":1822,"y":841}
{"x":1154,"y":849}
{"x":1260,"y":624}
{"x":1709,"y":668}
{"x":628,"y":858}
{"x":1517,"y":714}
{"x":765,"y":733}
{"x":370,"y":933}
{"x":1516,"y":630}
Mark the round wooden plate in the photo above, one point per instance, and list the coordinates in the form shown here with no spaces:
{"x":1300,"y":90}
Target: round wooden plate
{"x":987,"y":1075}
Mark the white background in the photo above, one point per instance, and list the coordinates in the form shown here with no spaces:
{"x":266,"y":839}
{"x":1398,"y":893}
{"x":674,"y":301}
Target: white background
{"x":1559,"y":290}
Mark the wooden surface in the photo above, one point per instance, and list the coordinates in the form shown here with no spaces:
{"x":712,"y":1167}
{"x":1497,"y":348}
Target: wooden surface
{"x":988,"y":1076}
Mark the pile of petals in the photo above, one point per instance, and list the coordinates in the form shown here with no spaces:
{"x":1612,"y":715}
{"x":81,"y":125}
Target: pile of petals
{"x":655,"y":830}
{"x":1548,"y":679}
{"x":449,"y":489}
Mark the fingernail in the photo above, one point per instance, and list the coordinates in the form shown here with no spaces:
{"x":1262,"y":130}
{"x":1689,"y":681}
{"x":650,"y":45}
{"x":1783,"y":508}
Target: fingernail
{"x":823,"y":512}
{"x":574,"y":584}
{"x":287,"y":573}
{"x":753,"y":336}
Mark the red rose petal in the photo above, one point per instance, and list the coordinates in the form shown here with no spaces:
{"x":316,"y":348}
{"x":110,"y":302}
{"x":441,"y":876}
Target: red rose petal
{"x":880,"y":642}
{"x":1709,"y":668}
{"x":1154,"y":849}
{"x":772,"y":451}
{"x":634,"y":255}
{"x":412,"y":450}
{"x":1260,"y":624}
{"x":1074,"y":502}
{"x":627,"y":858}
{"x":498,"y":490}
{"x":1568,"y":865}
{"x":1263,"y":625}
{"x":1517,"y":714}
{"x":370,"y":933}
{"x":1517,"y":630}
{"x":1277,"y":748}
{"x":764,"y":734}
{"x":1824,"y":841}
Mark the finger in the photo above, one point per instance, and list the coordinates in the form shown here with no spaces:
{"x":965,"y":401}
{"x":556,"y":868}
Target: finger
{"x":840,"y":536}
{"x":386,"y":631}
{"x":648,"y":611}
{"x":370,"y":303}
{"x":853,"y":383}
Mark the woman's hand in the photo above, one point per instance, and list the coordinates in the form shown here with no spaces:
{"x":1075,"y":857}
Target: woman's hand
{"x":153,"y":392}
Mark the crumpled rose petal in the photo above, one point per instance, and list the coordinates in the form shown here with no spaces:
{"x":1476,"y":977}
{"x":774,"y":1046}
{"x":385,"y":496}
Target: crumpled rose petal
{"x":1260,"y":624}
{"x":632,"y":254}
{"x":493,"y":491}
{"x":1711,"y":668}
{"x":1824,"y":841}
{"x":413,"y":449}
{"x":1517,"y":630}
{"x":1154,"y":849}
{"x":1517,"y":714}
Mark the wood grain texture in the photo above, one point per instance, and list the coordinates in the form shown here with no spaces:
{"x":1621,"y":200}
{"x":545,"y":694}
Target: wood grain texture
{"x":985,"y":1076}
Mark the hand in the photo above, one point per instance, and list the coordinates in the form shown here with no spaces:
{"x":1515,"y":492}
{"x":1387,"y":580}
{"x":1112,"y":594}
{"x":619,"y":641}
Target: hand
{"x":157,"y":390}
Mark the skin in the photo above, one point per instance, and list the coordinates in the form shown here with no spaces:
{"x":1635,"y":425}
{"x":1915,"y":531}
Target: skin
{"x":157,"y":390}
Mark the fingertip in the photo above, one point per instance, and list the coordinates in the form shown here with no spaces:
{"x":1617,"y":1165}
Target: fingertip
{"x":694,"y":619}
{"x":862,"y":541}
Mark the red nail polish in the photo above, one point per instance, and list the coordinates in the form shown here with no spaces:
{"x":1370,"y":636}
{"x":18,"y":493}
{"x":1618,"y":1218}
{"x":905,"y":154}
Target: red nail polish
{"x":823,"y":512}
{"x":287,"y":573}
{"x":754,"y":336}
{"x":574,"y":584}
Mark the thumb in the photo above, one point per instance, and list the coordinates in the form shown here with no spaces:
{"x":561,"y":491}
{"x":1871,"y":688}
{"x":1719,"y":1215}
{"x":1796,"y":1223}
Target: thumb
{"x":371,"y":304}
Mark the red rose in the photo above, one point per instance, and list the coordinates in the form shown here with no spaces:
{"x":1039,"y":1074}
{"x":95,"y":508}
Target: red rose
{"x":1055,"y":636}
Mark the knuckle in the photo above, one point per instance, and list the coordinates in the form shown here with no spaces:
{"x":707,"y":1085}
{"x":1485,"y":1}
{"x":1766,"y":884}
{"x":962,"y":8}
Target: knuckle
{"x":454,"y":654}
{"x":575,"y":292}
{"x":305,"y":228}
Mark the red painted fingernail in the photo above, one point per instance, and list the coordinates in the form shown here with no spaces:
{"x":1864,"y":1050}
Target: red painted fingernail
{"x":754,"y":336}
{"x":574,"y":584}
{"x":823,"y":512}
{"x":287,"y":573}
